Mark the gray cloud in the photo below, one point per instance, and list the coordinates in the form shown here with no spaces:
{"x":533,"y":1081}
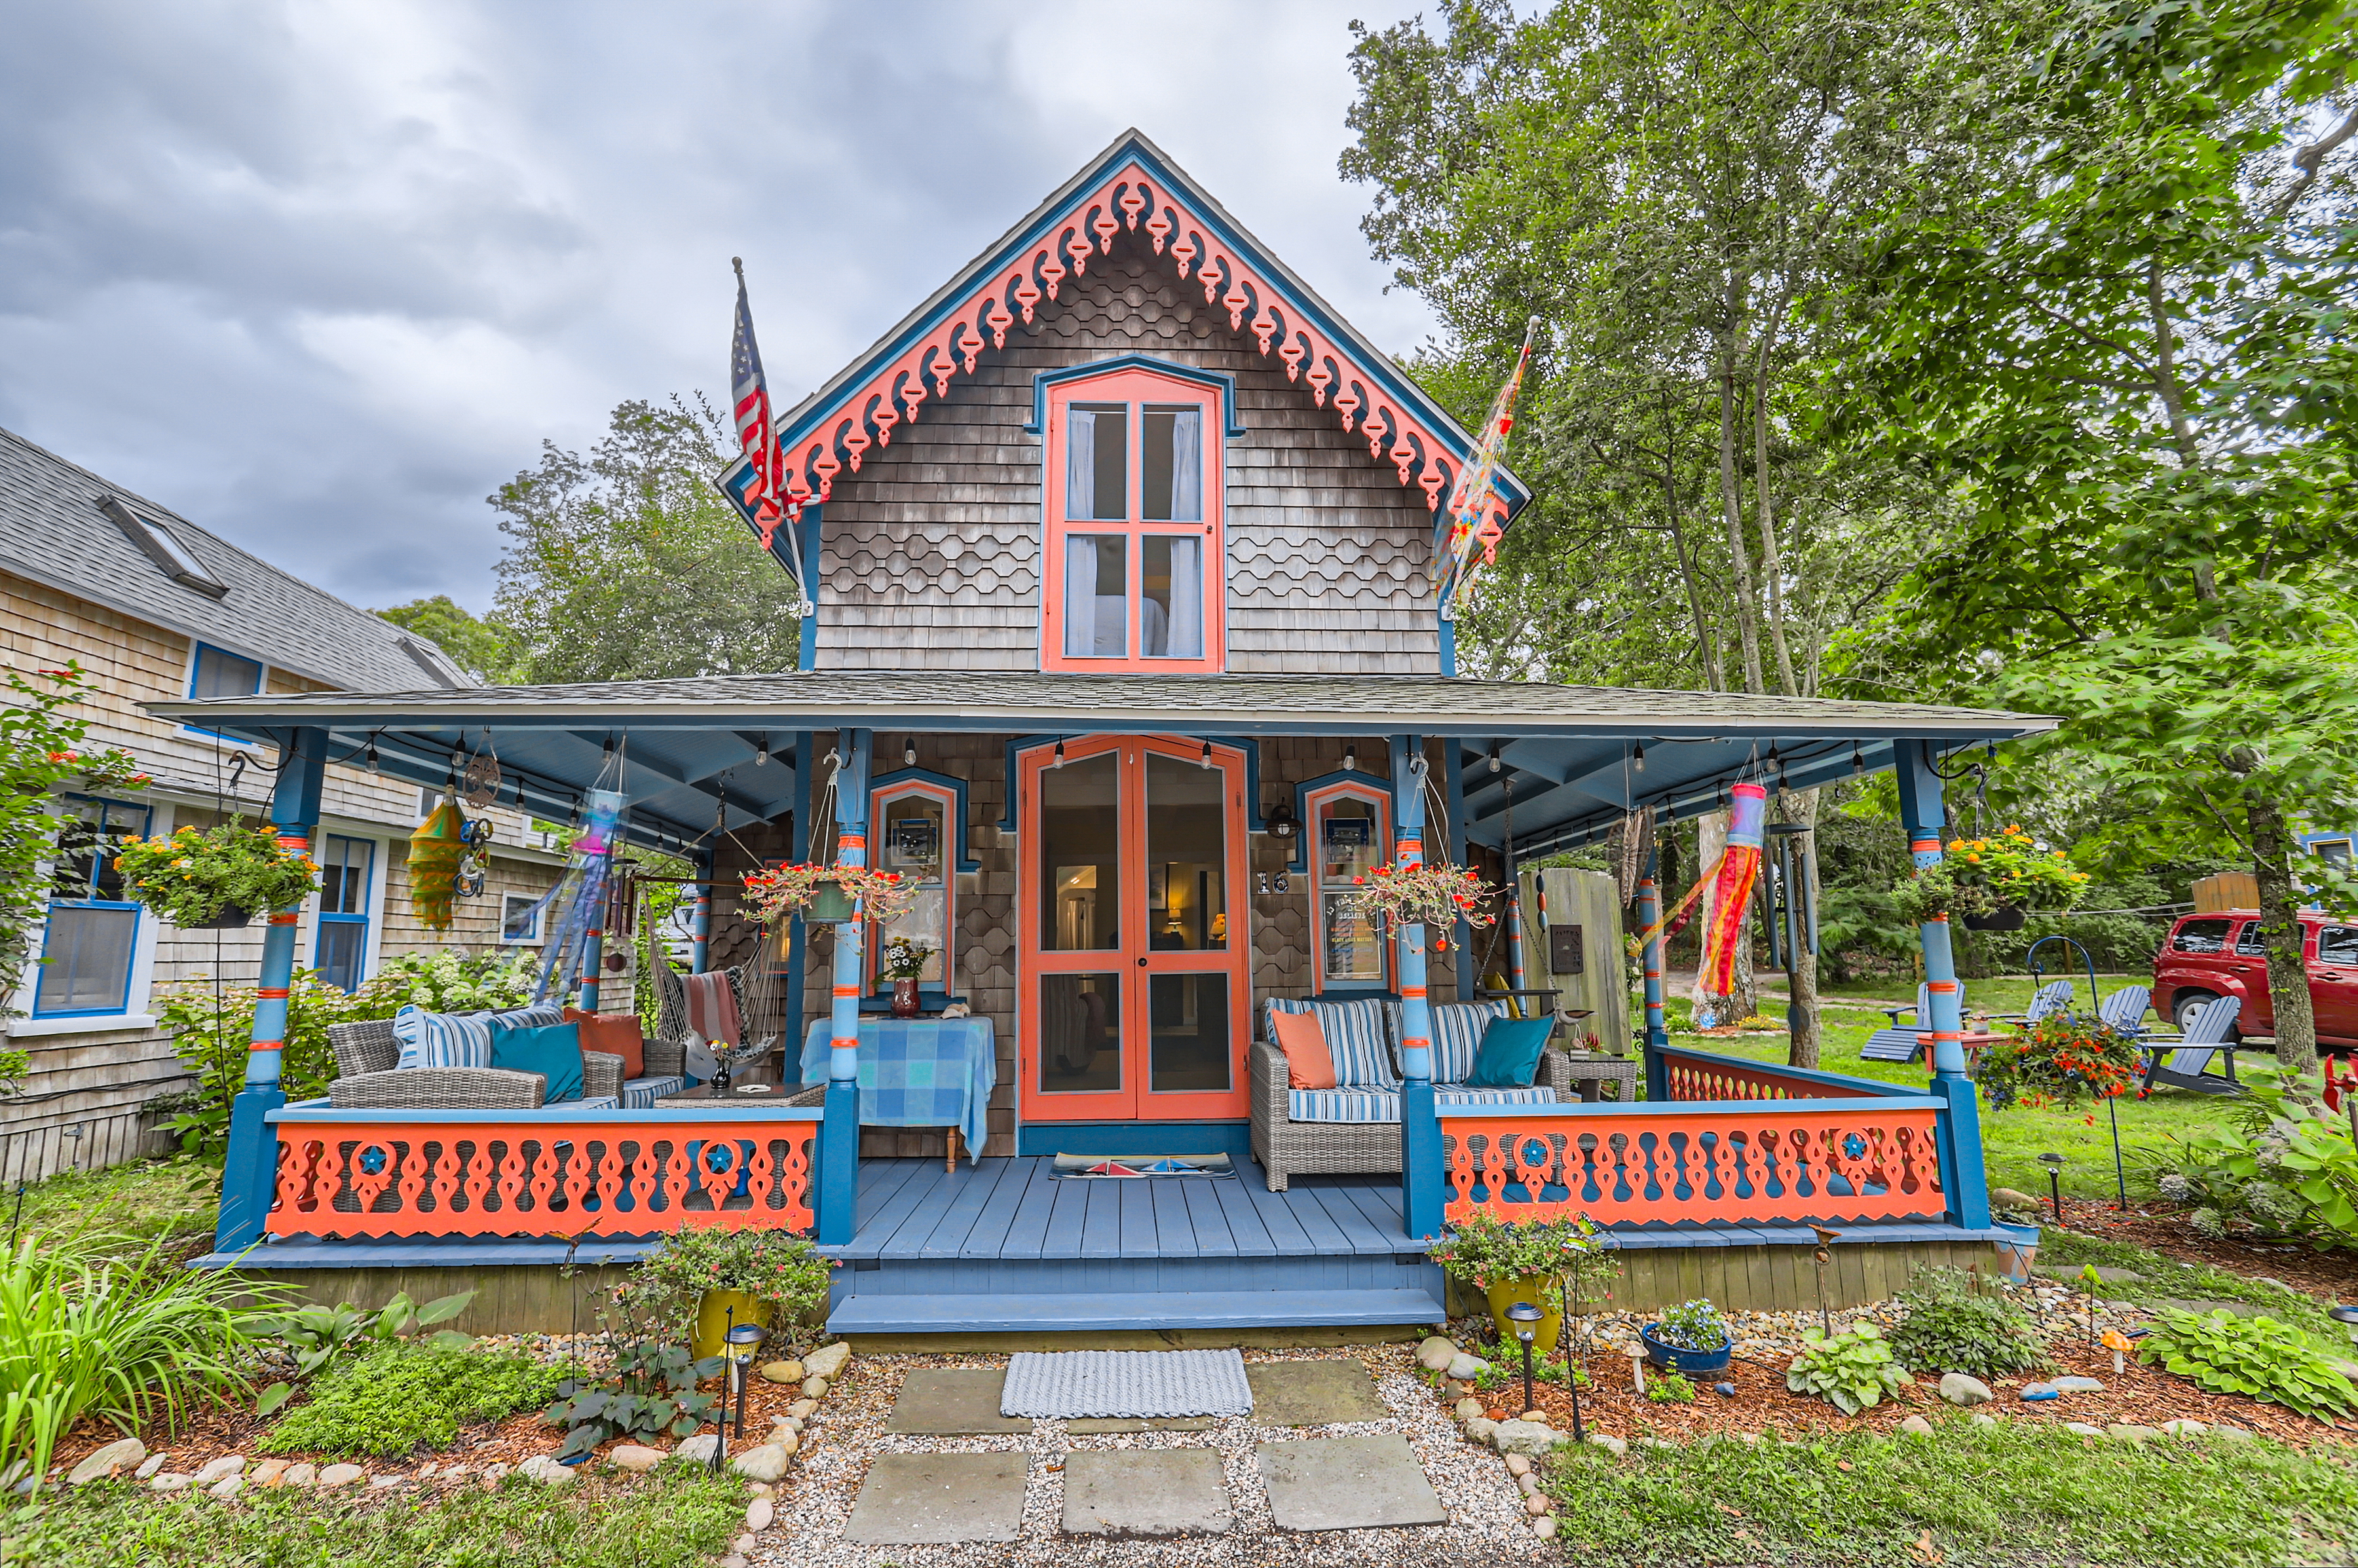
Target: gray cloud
{"x":321,"y":275}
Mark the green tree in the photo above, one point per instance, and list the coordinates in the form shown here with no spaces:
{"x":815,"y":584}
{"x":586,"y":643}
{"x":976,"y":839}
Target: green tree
{"x":628,"y":564}
{"x":485,"y":649}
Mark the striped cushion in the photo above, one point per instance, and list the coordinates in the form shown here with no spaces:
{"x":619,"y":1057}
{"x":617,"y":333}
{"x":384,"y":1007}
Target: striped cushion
{"x":600,"y":1102}
{"x":461,"y":1039}
{"x":1374,"y":1105}
{"x":1457,"y":1028}
{"x":1357,"y":1037}
{"x":641,"y":1094}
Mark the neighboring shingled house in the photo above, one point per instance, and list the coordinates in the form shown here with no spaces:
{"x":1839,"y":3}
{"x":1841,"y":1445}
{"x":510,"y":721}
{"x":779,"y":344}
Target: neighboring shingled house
{"x":153,"y":607}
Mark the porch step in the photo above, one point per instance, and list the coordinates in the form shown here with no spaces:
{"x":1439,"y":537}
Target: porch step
{"x":978,"y":1312}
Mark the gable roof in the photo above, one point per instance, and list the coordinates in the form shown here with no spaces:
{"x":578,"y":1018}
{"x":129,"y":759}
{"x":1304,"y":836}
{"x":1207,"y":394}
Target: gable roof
{"x":56,"y":529}
{"x":1131,"y":184}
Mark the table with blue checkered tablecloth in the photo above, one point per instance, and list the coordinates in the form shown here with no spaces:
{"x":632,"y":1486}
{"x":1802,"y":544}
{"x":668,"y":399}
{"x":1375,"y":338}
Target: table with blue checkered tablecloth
{"x":918,"y":1072}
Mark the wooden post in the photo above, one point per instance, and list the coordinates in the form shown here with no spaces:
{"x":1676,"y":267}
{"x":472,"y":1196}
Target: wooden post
{"x":1649,"y":914}
{"x":1421,"y":1181}
{"x":250,"y":1176}
{"x":839,"y":1146}
{"x":1963,"y":1175}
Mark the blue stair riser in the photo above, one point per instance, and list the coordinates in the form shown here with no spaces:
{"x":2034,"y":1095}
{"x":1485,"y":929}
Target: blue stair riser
{"x":1123,"y":1311}
{"x":1010,"y":1276}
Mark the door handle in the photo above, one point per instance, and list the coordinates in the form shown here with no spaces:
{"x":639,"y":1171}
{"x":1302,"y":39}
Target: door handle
{"x":1142,"y":963}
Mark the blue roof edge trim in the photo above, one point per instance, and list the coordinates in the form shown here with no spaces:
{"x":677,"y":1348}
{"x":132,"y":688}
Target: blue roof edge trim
{"x":1219,"y":381}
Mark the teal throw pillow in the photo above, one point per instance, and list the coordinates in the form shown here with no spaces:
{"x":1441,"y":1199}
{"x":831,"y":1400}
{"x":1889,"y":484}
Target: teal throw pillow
{"x":553,"y":1050}
{"x":1510,"y":1056}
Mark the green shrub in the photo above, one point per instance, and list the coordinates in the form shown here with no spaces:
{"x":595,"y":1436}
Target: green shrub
{"x":398,"y":1398}
{"x":652,"y":1395}
{"x":780,"y":1271}
{"x":2287,"y":1168}
{"x":1951,"y":1322}
{"x":1853,"y":1371}
{"x":316,"y":1335}
{"x":2256,"y":1356}
{"x":1670,"y":1388}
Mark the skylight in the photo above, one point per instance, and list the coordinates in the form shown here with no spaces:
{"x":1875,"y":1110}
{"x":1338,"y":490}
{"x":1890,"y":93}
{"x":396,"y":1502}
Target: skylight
{"x":159,"y":545}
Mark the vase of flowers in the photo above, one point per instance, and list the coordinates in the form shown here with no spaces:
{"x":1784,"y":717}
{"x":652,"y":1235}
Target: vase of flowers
{"x":1690,"y":1339}
{"x":204,"y":878}
{"x":1511,"y":1262}
{"x":903,"y":963}
{"x":699,"y":1281}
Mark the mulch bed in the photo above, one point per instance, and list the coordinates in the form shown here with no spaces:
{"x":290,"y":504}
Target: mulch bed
{"x":2329,"y":1275}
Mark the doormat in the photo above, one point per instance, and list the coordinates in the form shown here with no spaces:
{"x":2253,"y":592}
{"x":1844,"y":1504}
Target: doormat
{"x":1132,"y":1167}
{"x":1068,"y":1385}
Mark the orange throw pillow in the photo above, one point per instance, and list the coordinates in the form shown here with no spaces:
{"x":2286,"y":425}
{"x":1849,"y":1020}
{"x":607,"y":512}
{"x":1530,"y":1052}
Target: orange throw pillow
{"x":1308,"y":1063}
{"x":613,"y":1035}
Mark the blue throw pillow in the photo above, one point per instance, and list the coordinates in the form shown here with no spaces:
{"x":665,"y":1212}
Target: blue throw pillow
{"x":1510,"y":1056}
{"x":551,"y":1049}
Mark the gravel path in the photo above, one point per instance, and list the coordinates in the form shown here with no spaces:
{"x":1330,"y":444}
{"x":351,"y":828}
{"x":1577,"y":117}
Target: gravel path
{"x":1487,"y":1520}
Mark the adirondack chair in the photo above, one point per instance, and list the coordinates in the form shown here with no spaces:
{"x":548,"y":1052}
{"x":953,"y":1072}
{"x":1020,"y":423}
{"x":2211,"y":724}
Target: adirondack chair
{"x":1901,"y":1042}
{"x":2183,"y":1062}
{"x":2123,"y":1012}
{"x":2052,"y":998}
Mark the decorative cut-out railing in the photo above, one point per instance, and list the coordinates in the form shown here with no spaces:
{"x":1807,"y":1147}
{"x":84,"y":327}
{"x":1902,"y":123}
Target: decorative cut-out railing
{"x":1727,"y":1163}
{"x":1707,"y":1075}
{"x":414,"y":1174}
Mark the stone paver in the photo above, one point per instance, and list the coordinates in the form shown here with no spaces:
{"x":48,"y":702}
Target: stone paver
{"x":1168,"y":1491}
{"x":1313,"y":1393}
{"x":1092,"y":1426}
{"x":919,"y":1499}
{"x":1347,"y":1483}
{"x":953,"y":1401}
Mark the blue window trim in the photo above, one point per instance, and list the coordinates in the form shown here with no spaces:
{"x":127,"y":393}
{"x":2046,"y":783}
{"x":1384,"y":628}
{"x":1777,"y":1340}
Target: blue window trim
{"x":1225,"y":385}
{"x":965,"y":860}
{"x":1244,"y":743}
{"x":197,"y":651}
{"x":41,"y":982}
{"x":1373,"y":783}
{"x":333,"y":917}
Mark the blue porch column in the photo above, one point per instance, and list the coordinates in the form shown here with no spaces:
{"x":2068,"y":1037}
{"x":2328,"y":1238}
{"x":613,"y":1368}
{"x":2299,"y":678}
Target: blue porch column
{"x":699,"y":929}
{"x":251,"y":1175}
{"x":1649,"y":914}
{"x":1421,"y":1182}
{"x":839,"y":1143}
{"x":1963,"y":1176}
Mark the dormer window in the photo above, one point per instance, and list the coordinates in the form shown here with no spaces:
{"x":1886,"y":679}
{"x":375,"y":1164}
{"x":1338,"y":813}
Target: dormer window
{"x":1133,"y":535}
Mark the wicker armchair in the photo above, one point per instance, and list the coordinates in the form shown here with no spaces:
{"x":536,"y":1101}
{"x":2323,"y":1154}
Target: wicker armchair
{"x":369,"y":1077}
{"x":1287,"y":1148}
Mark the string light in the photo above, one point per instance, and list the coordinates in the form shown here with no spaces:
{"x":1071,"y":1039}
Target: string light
{"x":762,"y":753}
{"x":372,"y":754}
{"x":1857,"y":760}
{"x":1058,"y":759}
{"x":1350,"y":759}
{"x":909,"y":756}
{"x":1638,"y":757}
{"x":1494,"y":759}
{"x":1206,"y":759}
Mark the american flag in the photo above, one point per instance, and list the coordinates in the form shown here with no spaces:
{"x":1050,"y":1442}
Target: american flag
{"x":758,"y":433}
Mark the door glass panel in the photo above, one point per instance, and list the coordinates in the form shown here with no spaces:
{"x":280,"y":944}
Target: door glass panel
{"x":341,"y":945}
{"x":1186,"y":850}
{"x":1171,"y":596}
{"x":1097,"y":596}
{"x":1347,"y":850}
{"x":2251,"y":941}
{"x":1080,"y":1033}
{"x":1189,"y":1047}
{"x":1097,"y":466}
{"x":1080,"y":855}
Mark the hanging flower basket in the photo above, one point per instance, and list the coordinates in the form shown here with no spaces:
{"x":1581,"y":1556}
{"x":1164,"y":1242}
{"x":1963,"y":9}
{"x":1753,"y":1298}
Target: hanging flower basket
{"x":1432,"y":892}
{"x":198,"y":876}
{"x":827,"y":894}
{"x":2005,"y":917}
{"x":2014,"y":871}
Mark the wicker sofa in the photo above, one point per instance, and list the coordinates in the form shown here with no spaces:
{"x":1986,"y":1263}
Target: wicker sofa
{"x":1287,"y":1148}
{"x":370,"y":1077}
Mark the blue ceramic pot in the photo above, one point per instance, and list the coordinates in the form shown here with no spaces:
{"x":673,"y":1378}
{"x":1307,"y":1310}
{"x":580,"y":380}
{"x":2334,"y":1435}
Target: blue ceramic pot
{"x":1686,"y":1363}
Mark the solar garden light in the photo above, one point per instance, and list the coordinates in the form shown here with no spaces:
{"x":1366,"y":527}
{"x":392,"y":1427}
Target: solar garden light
{"x":1822,"y":1255}
{"x":1524,"y":1316}
{"x":743,"y":1338}
{"x":2054,"y":1163}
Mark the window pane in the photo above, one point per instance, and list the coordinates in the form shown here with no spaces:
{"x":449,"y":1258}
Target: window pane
{"x":1096,"y":461}
{"x":1080,"y":1033}
{"x":1097,"y":596}
{"x":913,"y":844}
{"x":1354,"y":949}
{"x":341,"y":946}
{"x":2251,"y":941}
{"x":86,"y":960}
{"x":88,"y":837}
{"x":1080,"y":855}
{"x":1188,"y":1048}
{"x":224,"y":674}
{"x":2338,"y":945}
{"x":2201,"y":937}
{"x":1171,"y":596}
{"x":1170,"y":466}
{"x":1186,"y":847}
{"x":1347,"y":848}
{"x":344,"y":866}
{"x":519,"y":918}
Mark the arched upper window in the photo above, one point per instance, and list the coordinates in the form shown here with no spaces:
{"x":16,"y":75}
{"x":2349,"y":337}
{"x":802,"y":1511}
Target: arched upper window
{"x":1133,"y":577}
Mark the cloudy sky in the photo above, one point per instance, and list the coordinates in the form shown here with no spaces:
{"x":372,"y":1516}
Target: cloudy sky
{"x":319,"y":275}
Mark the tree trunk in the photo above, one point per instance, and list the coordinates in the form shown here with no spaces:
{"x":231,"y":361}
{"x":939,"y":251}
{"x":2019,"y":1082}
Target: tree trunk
{"x":2295,"y":1021}
{"x":1731,"y":507}
{"x":1772,"y":570}
{"x":1705,"y":645}
{"x":1801,"y":806}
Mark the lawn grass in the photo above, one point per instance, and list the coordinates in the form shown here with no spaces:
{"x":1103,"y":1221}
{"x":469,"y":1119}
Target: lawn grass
{"x":680,"y":1516}
{"x":177,"y":1198}
{"x":2018,"y":1493}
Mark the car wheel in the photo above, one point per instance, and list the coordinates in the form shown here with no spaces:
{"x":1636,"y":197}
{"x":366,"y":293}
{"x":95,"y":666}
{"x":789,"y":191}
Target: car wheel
{"x":2189,"y":1004}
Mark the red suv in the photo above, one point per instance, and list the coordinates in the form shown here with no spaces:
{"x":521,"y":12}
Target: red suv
{"x":2208,"y":956}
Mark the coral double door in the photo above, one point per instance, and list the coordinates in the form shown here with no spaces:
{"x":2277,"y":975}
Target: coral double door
{"x":1134,"y":1002}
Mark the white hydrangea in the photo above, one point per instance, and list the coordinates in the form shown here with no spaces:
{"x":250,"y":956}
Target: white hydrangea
{"x":2206,"y":1221}
{"x":2176,"y":1188}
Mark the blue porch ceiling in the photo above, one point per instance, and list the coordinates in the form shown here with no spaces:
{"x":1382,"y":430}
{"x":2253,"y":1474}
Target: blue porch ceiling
{"x":689,"y":746}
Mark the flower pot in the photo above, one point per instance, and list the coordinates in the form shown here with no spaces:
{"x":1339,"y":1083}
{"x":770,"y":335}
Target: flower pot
{"x":710,"y":1336}
{"x":905,"y":999}
{"x":1679,"y":1360}
{"x":231,"y":918}
{"x":830,"y":905}
{"x":2005,"y":917}
{"x":1544,"y":1332}
{"x":2018,"y":1251}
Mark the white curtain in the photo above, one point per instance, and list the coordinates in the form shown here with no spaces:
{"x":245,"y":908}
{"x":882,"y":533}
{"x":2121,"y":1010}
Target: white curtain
{"x":1080,"y":464}
{"x":1186,"y":469}
{"x":1080,"y":595}
{"x":1185,"y":636}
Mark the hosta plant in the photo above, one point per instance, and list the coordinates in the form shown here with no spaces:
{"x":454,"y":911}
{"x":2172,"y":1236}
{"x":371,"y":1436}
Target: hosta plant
{"x":316,"y":1337}
{"x":2286,"y":1168}
{"x":1851,"y":1370}
{"x":2256,"y":1356}
{"x":652,"y":1395}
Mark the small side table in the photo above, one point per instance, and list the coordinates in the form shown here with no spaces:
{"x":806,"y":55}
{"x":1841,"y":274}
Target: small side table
{"x":1592,"y":1070}
{"x":704,"y":1095}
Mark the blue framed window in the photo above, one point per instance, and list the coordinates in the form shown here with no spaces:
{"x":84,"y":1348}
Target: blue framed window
{"x":346,"y":866}
{"x":91,"y":933}
{"x":219,"y":672}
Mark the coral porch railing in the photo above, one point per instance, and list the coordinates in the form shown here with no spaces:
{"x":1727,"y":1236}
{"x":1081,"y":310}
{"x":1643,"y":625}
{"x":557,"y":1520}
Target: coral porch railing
{"x":545,"y":1174}
{"x":1781,"y":1146}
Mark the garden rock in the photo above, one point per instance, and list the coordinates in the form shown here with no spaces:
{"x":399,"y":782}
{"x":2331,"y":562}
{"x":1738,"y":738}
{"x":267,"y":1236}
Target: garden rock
{"x":815,"y":1389}
{"x":828,"y":1361}
{"x":2035,"y":1391}
{"x":1982,"y":1418}
{"x":269,"y":1473}
{"x":386,"y":1483}
{"x":1963,"y":1389}
{"x":1482,"y":1430}
{"x":228,"y":1465}
{"x":696,"y":1449}
{"x":743,"y":1547}
{"x":1917,"y":1426}
{"x":1436,"y":1354}
{"x":2077,"y":1385}
{"x":336,"y":1475}
{"x":225,"y":1488}
{"x":547,"y":1470}
{"x":2129,"y":1432}
{"x":787,"y":1439}
{"x":635,"y":1457}
{"x":766,"y":1463}
{"x":1526,"y":1437}
{"x":2007,"y":1197}
{"x":1517,"y":1466}
{"x":1610,"y":1444}
{"x":123,"y":1454}
{"x":759,"y":1513}
{"x":1544,"y":1527}
{"x":1466,"y":1409}
{"x":169,"y":1481}
{"x":493,"y":1474}
{"x":148,"y":1466}
{"x":1466,"y":1368}
{"x":2083,"y":1429}
{"x":786,"y":1423}
{"x":784,"y":1371}
{"x":801,"y":1409}
{"x":2184,"y":1427}
{"x":1535,"y":1504}
{"x":2231,"y":1434}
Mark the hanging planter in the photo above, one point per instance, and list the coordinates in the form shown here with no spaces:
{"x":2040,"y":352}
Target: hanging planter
{"x":826,"y":894}
{"x":1431,"y":893}
{"x":199,"y":879}
{"x":2005,"y":917}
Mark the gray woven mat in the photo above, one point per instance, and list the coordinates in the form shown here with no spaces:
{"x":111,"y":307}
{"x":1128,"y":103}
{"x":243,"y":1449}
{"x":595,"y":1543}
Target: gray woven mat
{"x":1074,"y":1384}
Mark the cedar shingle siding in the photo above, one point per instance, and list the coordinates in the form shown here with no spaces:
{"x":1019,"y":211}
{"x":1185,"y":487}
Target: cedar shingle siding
{"x":930,"y":554}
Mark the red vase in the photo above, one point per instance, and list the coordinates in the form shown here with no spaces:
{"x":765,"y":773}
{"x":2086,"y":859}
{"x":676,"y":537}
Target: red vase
{"x":905,"y":999}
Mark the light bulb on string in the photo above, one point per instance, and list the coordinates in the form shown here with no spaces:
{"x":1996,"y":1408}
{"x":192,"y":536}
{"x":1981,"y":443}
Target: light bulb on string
{"x":1638,"y":757}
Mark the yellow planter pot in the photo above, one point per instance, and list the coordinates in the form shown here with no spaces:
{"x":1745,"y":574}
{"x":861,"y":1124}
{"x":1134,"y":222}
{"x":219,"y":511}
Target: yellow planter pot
{"x":712,"y":1320}
{"x":1544,"y":1334}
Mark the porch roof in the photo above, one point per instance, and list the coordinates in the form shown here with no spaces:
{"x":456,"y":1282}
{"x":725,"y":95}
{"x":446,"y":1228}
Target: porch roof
{"x":1570,"y":751}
